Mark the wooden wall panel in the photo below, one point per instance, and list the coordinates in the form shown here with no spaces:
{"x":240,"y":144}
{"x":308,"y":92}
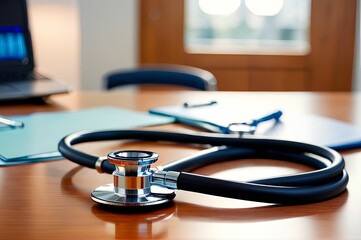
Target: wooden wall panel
{"x":332,"y":43}
{"x":278,"y":80}
{"x":232,"y":80}
{"x":265,"y":80}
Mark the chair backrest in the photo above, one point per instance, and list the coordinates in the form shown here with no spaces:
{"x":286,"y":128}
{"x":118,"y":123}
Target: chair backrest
{"x":163,"y":74}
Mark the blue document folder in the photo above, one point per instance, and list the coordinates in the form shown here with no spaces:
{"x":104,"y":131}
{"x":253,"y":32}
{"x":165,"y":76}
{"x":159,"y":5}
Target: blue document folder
{"x":38,"y":139}
{"x":307,"y":128}
{"x":317,"y":130}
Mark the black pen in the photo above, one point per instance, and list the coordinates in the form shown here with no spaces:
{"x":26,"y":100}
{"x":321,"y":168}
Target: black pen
{"x":11,"y":123}
{"x":192,"y":105}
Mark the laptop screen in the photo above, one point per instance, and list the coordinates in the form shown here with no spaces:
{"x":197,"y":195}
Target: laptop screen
{"x":15,"y":41}
{"x":12,"y":44}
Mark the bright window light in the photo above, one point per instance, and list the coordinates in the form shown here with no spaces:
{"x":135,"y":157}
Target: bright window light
{"x":219,"y":7}
{"x":247,"y":27}
{"x":264,"y":7}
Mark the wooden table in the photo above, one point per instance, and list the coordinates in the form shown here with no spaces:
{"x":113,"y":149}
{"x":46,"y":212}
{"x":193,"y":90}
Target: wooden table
{"x":50,"y":200}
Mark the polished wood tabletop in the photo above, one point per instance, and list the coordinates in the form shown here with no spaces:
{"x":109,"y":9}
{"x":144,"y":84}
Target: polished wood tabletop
{"x":51,"y":199}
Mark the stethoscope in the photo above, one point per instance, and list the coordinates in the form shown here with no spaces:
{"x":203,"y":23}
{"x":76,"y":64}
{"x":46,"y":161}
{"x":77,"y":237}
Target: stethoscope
{"x":136,"y":184}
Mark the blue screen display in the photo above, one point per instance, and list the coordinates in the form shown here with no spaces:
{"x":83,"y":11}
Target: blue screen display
{"x":12,"y":43}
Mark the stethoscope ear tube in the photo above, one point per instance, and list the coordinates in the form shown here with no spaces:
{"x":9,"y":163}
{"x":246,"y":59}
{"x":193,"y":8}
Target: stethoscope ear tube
{"x":261,"y":193}
{"x":327,"y":181}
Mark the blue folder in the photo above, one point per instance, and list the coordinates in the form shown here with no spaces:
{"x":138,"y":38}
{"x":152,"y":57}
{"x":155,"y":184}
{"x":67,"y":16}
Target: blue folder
{"x":307,"y":128}
{"x":38,"y":139}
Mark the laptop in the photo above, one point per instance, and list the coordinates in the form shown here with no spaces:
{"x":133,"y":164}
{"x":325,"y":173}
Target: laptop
{"x":18,"y":80}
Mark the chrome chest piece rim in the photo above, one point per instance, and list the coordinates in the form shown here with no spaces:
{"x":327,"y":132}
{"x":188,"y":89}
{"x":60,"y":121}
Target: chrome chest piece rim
{"x":132,"y":182}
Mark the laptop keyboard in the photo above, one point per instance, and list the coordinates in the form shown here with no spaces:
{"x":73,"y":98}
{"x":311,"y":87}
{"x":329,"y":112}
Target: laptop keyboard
{"x":11,"y":77}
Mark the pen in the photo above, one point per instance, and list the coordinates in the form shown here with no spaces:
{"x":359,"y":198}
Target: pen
{"x":192,"y":105}
{"x":274,"y":115}
{"x":11,"y":123}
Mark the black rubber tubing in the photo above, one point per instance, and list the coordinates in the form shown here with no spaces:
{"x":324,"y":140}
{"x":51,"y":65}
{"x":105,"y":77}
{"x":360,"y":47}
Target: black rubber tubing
{"x":327,"y":181}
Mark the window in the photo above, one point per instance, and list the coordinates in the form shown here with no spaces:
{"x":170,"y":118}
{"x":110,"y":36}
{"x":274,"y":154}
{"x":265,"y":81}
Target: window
{"x":247,"y":26}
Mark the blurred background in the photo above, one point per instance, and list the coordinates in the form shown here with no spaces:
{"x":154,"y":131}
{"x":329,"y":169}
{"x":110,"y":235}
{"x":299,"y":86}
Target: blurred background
{"x":249,"y":45}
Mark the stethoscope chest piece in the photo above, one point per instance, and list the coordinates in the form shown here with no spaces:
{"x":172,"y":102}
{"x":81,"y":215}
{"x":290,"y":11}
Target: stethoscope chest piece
{"x":132,"y":182}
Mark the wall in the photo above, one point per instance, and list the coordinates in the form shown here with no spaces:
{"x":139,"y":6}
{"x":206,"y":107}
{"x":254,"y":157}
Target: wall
{"x":109,"y":33}
{"x":78,"y":42}
{"x":56,"y":38}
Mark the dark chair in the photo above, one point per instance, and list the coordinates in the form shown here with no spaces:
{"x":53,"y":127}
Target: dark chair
{"x":163,"y":74}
